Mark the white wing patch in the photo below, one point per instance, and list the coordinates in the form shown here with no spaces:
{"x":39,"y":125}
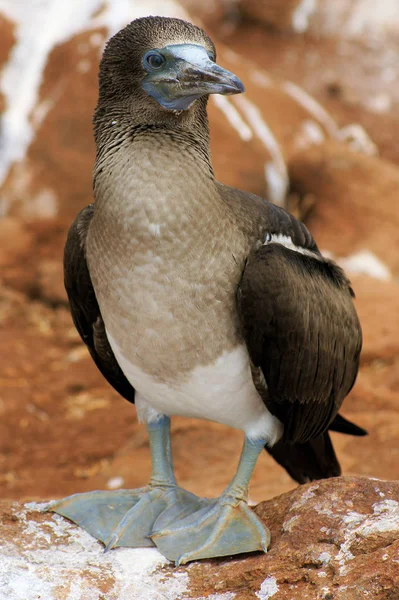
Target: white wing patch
{"x":286,"y":240}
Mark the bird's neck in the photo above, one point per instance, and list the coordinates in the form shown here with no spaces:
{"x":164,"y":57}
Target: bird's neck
{"x":118,"y":126}
{"x":154,"y":175}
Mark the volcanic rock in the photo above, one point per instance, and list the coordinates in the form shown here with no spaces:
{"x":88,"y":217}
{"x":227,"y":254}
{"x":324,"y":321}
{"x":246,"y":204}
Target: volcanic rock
{"x":331,"y":540}
{"x":47,"y":152}
{"x":355,"y":206}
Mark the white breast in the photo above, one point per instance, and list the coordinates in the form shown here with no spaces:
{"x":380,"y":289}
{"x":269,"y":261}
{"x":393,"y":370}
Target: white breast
{"x":223,"y":392}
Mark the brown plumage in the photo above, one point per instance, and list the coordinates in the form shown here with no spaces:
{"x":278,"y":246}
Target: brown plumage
{"x":182,"y":269}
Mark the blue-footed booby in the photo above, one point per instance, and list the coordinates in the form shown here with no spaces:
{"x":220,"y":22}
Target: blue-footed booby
{"x":200,"y":300}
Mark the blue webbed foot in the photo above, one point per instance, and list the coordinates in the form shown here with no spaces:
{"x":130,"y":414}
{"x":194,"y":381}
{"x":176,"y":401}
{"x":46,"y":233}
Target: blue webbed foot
{"x":225,"y":527}
{"x":126,"y":517}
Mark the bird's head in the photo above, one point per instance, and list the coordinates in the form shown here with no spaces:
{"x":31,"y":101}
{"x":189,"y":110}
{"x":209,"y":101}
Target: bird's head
{"x":165,"y":63}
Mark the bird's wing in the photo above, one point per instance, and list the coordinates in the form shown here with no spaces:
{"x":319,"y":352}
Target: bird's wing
{"x":84,"y":307}
{"x":300,"y":327}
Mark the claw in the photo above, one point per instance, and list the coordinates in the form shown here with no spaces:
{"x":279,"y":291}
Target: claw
{"x":113,"y":540}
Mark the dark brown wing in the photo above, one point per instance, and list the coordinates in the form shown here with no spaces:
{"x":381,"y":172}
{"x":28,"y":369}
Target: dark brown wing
{"x":302,"y":334}
{"x":84,"y":306}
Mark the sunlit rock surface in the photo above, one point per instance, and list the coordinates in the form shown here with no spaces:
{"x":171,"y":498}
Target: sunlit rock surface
{"x":337,"y":539}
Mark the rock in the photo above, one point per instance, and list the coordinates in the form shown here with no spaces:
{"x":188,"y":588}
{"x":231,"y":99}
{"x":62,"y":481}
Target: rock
{"x":335,"y":539}
{"x":287,"y":16}
{"x":355,"y":207}
{"x":339,"y":33}
{"x":47,"y":150}
{"x":51,"y":282}
{"x":378,"y":308}
{"x":332,"y":540}
{"x":223,"y":14}
{"x":292,"y":15}
{"x":15,"y":240}
{"x":356,"y":19}
{"x":31,"y":257}
{"x":7,"y":41}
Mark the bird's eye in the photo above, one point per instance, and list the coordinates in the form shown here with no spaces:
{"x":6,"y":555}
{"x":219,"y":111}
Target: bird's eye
{"x":154,"y":60}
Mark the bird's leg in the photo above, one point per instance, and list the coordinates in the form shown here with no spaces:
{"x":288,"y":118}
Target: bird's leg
{"x":126,"y":517}
{"x":225,"y":526}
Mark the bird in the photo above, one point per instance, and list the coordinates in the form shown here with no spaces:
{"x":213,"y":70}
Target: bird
{"x":200,"y":300}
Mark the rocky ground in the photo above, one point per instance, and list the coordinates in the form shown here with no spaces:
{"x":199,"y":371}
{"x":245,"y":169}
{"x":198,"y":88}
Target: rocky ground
{"x":62,"y":428}
{"x":349,"y":553}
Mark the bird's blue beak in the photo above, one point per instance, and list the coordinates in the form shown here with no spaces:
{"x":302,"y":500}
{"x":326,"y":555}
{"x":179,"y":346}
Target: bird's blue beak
{"x":179,"y":74}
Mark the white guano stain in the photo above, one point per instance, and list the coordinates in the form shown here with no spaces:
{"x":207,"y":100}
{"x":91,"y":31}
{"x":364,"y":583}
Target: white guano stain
{"x":233,"y":117}
{"x":277,"y":185}
{"x":115,"y":483}
{"x":365,"y":262}
{"x":357,"y":139}
{"x":302,"y":14}
{"x":310,"y":134}
{"x":58,"y":21}
{"x":385,"y":518}
{"x":22,"y":75}
{"x":305,"y":497}
{"x":226,"y":596}
{"x":288,"y":526}
{"x":276,"y":174}
{"x":42,"y":562}
{"x":261,"y":79}
{"x":363,"y":18}
{"x":325,"y":558}
{"x":268,"y":589}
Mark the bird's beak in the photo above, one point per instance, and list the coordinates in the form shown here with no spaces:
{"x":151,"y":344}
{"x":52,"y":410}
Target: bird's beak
{"x":188,"y":74}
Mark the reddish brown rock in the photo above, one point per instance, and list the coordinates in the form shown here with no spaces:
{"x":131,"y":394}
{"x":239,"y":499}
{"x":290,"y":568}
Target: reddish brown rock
{"x":332,"y":540}
{"x":7,"y":38}
{"x":318,"y":61}
{"x":7,"y":41}
{"x":15,"y":240}
{"x":252,"y":136}
{"x":31,"y":257}
{"x":356,"y":201}
{"x":291,"y":15}
{"x":342,"y":19}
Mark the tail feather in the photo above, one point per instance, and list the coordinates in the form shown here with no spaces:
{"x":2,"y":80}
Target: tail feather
{"x":315,"y":459}
{"x":342,"y":425}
